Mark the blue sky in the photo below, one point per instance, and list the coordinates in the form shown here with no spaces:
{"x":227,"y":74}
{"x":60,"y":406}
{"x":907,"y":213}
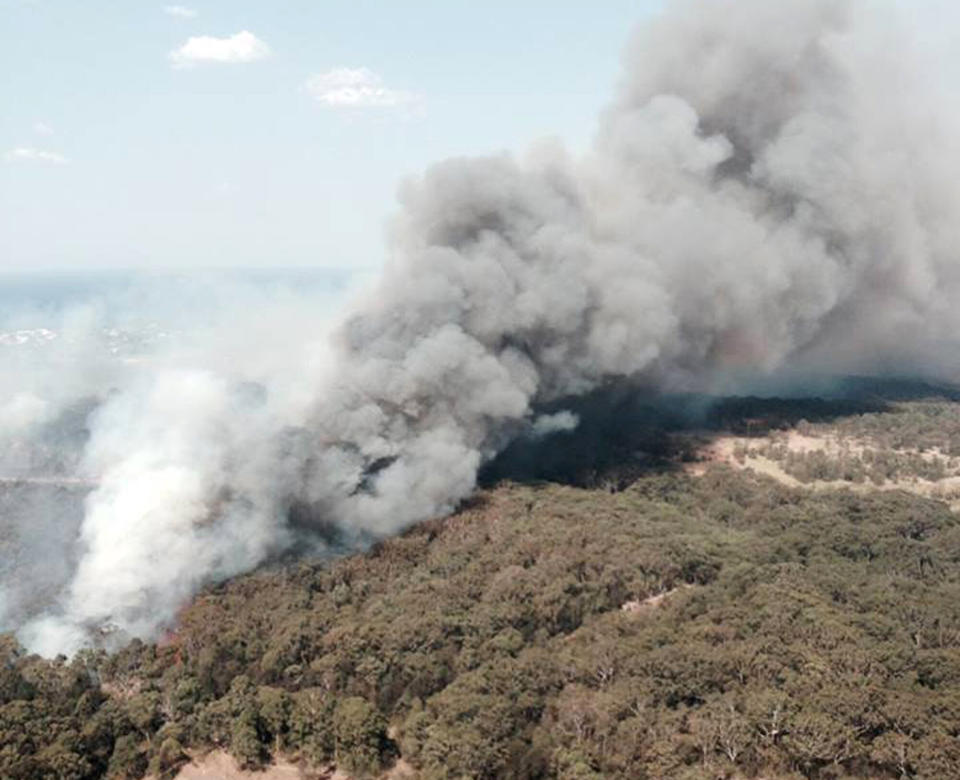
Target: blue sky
{"x":115,"y":151}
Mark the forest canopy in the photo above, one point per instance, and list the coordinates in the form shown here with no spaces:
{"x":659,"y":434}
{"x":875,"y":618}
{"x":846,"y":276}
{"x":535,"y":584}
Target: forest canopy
{"x":714,"y":626}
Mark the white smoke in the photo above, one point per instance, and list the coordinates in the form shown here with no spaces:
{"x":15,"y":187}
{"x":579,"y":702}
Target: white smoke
{"x":774,"y":182}
{"x":549,"y":424}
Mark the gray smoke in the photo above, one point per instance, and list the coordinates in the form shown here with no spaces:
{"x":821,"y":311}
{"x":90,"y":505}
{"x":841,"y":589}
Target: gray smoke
{"x":775,"y":182}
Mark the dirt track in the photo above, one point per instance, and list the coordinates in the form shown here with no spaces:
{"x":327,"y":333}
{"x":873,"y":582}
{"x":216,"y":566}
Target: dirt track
{"x":219,"y":765}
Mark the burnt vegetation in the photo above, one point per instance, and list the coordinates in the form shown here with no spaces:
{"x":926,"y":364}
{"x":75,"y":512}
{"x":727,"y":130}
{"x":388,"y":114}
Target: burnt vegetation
{"x":799,"y":634}
{"x":624,"y":433}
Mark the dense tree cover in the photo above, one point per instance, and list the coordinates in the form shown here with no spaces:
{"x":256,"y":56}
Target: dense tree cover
{"x":805,"y":635}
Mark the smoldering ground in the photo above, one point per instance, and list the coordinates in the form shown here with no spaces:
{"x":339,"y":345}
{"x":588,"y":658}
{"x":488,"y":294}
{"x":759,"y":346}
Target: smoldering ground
{"x":773,"y":185}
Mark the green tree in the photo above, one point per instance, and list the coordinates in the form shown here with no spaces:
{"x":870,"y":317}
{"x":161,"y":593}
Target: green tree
{"x":360,"y":734}
{"x":245,"y":743}
{"x":127,"y":760}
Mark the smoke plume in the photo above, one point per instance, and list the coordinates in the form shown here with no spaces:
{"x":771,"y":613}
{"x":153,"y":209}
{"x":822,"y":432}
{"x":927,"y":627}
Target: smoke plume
{"x":774,"y":184}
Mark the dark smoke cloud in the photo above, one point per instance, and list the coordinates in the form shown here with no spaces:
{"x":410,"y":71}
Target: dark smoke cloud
{"x":774,"y":184}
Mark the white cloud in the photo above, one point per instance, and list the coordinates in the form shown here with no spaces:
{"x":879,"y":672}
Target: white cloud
{"x":356,"y":88}
{"x":179,"y":11}
{"x":242,"y":47}
{"x":30,"y":154}
{"x":42,"y":128}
